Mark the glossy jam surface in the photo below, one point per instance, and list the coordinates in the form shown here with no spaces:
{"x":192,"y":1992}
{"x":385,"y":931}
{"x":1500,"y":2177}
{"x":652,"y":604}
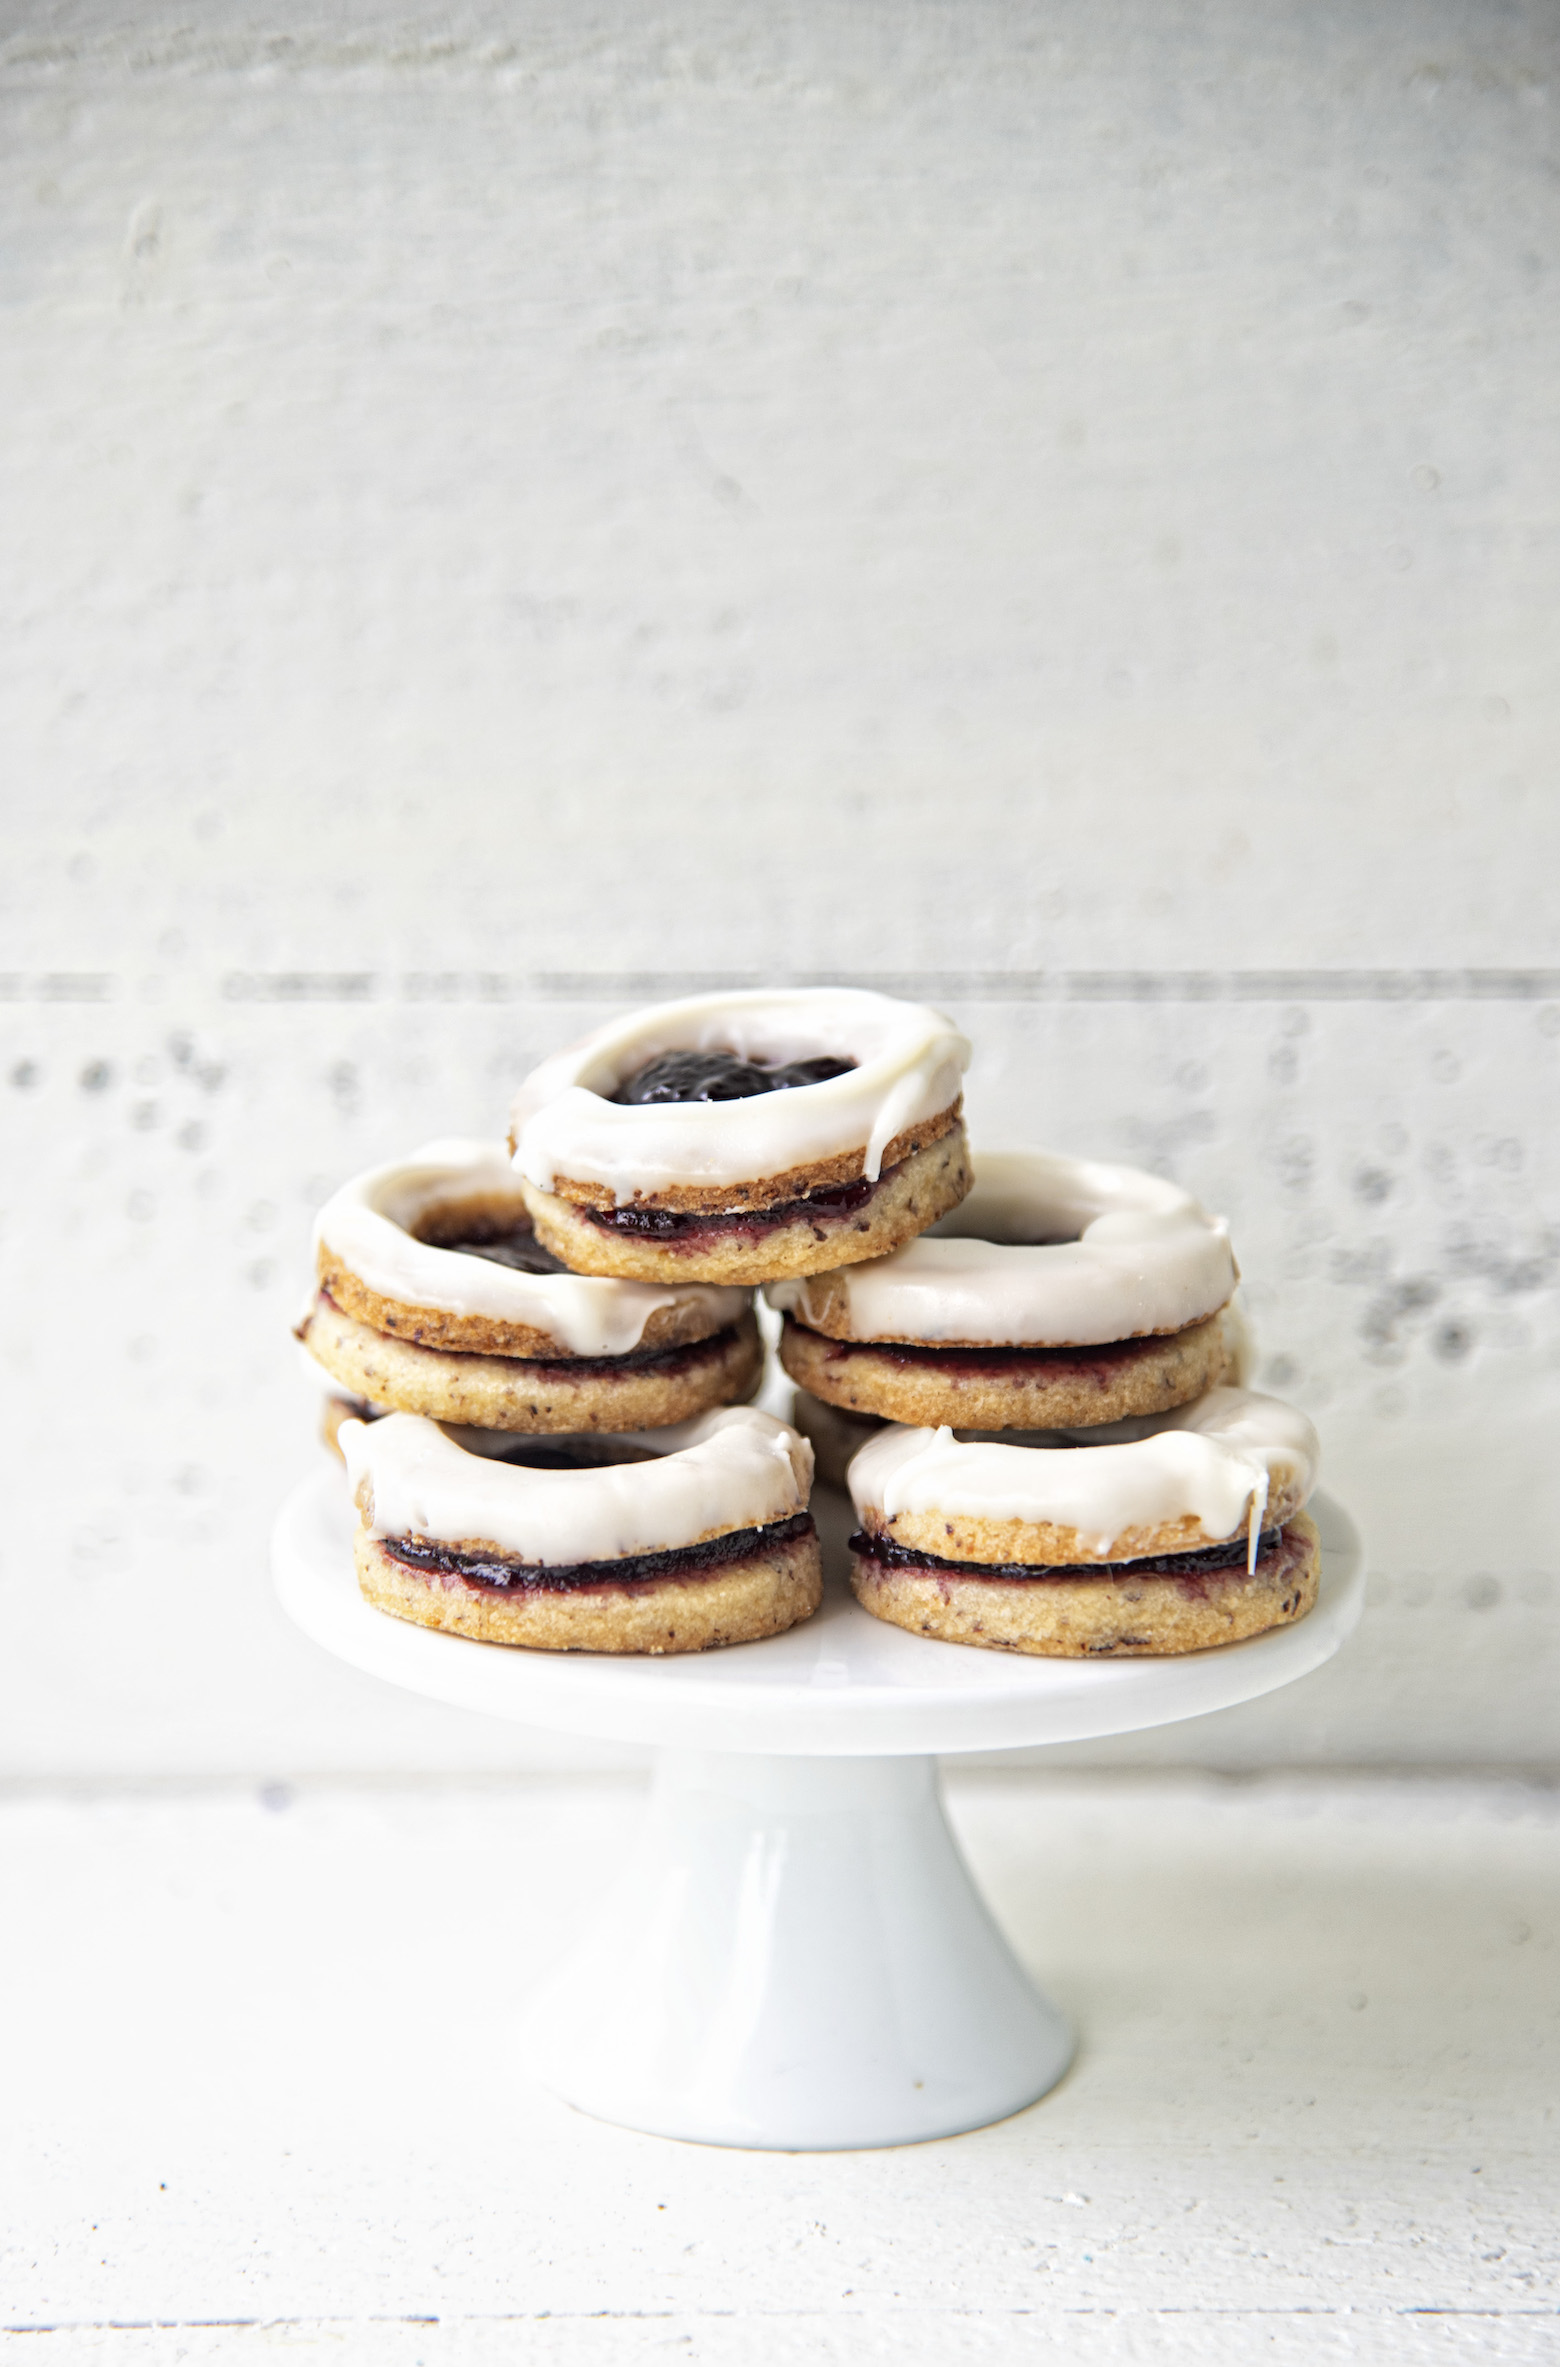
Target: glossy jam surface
{"x":1229,"y":1556}
{"x":519,"y":1250}
{"x":671,"y":1226}
{"x":440,"y":1563}
{"x":721,"y":1076}
{"x":567,"y":1451}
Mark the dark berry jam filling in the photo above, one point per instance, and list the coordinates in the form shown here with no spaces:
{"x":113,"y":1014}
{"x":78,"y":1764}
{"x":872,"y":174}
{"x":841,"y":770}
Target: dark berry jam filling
{"x":1099,"y":1364}
{"x":666,"y":1362}
{"x":890,"y":1555}
{"x":633,"y":1569}
{"x":569,"y":1450}
{"x":722,"y":1076}
{"x":519,"y":1250}
{"x":673,"y":1227}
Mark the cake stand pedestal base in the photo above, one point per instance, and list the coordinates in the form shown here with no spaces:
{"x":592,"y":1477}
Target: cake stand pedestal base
{"x":797,"y":1959}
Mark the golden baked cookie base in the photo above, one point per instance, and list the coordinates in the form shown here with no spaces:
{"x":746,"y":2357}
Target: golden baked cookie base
{"x":728,"y":1603}
{"x":501,"y":1393}
{"x":911,"y":1196}
{"x":1053,"y":1390}
{"x":1101,"y":1618}
{"x":767,"y":1191}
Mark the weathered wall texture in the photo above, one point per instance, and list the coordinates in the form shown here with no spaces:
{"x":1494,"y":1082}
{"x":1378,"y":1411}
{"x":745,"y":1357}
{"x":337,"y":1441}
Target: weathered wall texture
{"x":509,"y":511}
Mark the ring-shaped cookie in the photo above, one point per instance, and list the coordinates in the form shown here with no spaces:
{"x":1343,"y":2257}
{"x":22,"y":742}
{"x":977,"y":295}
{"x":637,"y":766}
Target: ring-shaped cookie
{"x":417,"y":1310}
{"x":381,"y":1251}
{"x":1044,"y":1252}
{"x":760,"y":1183}
{"x":1062,"y":1292}
{"x":1185,"y":1533}
{"x":704,"y":1539}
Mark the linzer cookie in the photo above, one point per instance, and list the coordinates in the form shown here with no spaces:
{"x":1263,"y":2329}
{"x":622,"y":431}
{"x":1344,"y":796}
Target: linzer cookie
{"x":1061,"y":1294}
{"x":1188,"y":1531}
{"x":435,"y":1297}
{"x":745,"y":1137}
{"x":702,"y":1539}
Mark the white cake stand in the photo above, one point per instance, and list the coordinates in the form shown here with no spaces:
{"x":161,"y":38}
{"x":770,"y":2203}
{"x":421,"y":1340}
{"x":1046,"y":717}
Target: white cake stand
{"x":797,"y":1957}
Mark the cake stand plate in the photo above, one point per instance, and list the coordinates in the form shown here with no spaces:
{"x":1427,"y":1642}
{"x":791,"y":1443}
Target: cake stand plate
{"x":797,"y":1957}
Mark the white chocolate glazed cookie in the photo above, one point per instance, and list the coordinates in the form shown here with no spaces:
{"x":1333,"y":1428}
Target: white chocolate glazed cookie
{"x":1059,"y":1293}
{"x":436,"y":1298}
{"x":737,"y":1138}
{"x":747,"y":1151}
{"x":381,"y":1252}
{"x":705,"y":1541}
{"x":1172,"y":1536}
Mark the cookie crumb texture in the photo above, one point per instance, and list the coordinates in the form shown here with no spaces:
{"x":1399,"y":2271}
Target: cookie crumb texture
{"x":727,"y":1603}
{"x":1122,"y":1618}
{"x":743,"y":1247}
{"x":1008,"y":1388}
{"x":644,"y":1391}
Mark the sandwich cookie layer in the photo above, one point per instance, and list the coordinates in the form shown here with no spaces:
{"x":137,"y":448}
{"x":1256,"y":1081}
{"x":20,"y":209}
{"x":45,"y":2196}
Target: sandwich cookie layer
{"x":1170,"y":1535}
{"x":437,"y":1298}
{"x":703,"y":1539}
{"x":1060,"y":1292}
{"x":748,"y":1246}
{"x":1008,"y":1388}
{"x":807,"y":1113}
{"x":643,"y":1391}
{"x":1133,"y":1610}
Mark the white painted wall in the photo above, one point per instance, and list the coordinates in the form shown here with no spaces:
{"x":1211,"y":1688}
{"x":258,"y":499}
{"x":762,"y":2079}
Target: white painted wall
{"x":511,"y":509}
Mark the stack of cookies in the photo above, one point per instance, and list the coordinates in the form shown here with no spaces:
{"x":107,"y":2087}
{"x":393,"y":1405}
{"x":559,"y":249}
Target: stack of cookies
{"x":539,"y":1357}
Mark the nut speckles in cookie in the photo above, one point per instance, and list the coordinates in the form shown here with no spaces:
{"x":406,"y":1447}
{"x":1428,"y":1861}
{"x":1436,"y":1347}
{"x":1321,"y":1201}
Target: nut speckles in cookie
{"x":898,"y":1068}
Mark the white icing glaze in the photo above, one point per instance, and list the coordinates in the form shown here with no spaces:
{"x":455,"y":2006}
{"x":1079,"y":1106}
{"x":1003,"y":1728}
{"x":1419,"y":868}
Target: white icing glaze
{"x":909,"y":1065}
{"x":1214,"y":1462}
{"x":734,"y":1469}
{"x":1003,"y":1268}
{"x":367,"y":1225}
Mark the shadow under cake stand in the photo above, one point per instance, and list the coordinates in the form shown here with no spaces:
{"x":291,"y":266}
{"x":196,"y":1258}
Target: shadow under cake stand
{"x":797,"y":1957}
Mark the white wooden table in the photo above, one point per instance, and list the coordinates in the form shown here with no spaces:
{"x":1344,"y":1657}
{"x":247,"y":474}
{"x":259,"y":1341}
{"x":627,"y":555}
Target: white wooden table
{"x":258,"y":2104}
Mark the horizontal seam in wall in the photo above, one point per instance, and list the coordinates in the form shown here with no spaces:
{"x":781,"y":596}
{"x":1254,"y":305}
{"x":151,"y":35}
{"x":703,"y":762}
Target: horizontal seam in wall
{"x":1077,"y":986}
{"x":818,"y":2313}
{"x":995,"y":986}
